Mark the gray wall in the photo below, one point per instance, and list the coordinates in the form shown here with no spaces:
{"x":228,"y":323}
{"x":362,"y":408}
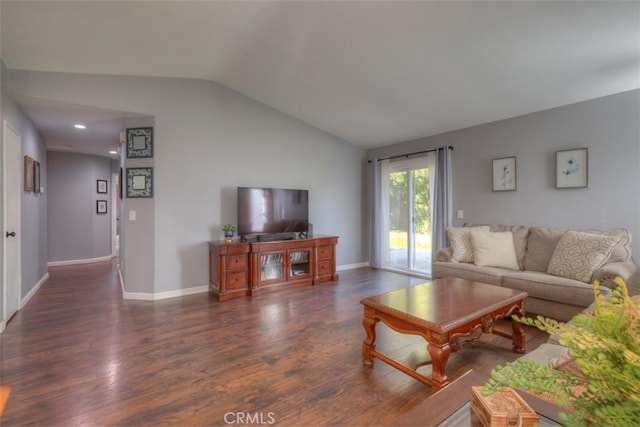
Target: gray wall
{"x":209,"y":140}
{"x":608,"y":126}
{"x":33,"y":227}
{"x":138,"y":268}
{"x":2,"y":81}
{"x":76,"y":231}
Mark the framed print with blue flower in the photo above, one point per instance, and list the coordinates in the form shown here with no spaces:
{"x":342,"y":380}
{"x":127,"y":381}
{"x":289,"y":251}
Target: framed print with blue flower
{"x":504,"y":174}
{"x":572,"y":168}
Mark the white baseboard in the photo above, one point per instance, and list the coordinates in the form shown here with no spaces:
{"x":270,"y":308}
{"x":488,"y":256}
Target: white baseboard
{"x":352,"y":266}
{"x":165,"y":295}
{"x":143,"y":296}
{"x":33,"y":291}
{"x":27,"y":297}
{"x":121,"y":280}
{"x":79,"y":261}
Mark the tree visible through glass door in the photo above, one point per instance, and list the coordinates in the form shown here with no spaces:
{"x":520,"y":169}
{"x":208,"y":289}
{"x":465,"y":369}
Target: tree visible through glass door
{"x":408,"y":216}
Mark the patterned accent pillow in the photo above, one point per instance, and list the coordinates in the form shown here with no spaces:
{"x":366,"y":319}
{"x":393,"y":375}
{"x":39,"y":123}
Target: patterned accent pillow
{"x":564,"y":357}
{"x":579,"y":254}
{"x":461,"y":246}
{"x":566,"y":363}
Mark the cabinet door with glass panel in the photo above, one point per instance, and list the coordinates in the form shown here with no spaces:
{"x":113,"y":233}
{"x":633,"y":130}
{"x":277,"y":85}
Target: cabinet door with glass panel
{"x":281,"y":262}
{"x":272,"y":266}
{"x":299,"y":263}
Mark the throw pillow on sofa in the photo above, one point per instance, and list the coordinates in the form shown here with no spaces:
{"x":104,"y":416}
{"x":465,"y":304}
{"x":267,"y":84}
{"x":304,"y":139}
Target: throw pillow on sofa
{"x":494,"y":249}
{"x":460,"y":239}
{"x":566,"y":363}
{"x":540,"y":246}
{"x":520,"y":238}
{"x":622,"y":251}
{"x":579,"y":254}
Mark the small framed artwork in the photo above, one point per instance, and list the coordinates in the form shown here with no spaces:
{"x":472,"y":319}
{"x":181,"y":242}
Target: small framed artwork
{"x":28,"y":174}
{"x":36,"y":177}
{"x":139,"y":142}
{"x":101,"y":206}
{"x":120,"y":183}
{"x":504,"y":174}
{"x":102,"y":186}
{"x":572,"y":168}
{"x":139,"y":182}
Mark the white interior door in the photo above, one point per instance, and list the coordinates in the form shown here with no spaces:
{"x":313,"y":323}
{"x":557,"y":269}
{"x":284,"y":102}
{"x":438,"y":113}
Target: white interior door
{"x":11,"y":233}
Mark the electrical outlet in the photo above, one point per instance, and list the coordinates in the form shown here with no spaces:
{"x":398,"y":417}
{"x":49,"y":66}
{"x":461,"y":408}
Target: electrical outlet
{"x":460,"y":214}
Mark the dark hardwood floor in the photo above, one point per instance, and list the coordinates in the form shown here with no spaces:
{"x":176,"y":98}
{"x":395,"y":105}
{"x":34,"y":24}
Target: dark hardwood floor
{"x":77,"y":354}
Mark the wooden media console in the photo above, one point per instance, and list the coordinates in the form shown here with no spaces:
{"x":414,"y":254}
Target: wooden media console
{"x":250,"y":268}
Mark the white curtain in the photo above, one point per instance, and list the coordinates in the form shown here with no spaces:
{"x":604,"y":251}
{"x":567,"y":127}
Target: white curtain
{"x":374,"y":209}
{"x":442,"y":209}
{"x":377,"y":217}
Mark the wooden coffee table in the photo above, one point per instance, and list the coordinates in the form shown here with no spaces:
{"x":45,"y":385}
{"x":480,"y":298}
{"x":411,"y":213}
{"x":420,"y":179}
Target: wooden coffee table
{"x":446,"y":313}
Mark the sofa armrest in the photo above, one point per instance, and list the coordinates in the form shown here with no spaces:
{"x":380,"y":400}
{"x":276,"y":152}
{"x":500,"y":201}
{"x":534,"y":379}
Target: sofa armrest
{"x":444,"y":255}
{"x":610,"y":271}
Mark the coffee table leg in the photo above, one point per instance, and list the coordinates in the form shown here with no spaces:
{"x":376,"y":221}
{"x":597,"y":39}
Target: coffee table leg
{"x":439,"y":356}
{"x":518,"y":337}
{"x":369,"y":323}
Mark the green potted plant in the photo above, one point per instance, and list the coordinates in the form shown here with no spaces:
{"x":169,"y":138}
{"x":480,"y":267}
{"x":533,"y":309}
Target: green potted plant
{"x":228,"y":230}
{"x":604,"y":344}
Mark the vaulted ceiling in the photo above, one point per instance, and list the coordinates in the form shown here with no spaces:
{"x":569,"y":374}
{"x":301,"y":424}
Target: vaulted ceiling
{"x":370,"y":72}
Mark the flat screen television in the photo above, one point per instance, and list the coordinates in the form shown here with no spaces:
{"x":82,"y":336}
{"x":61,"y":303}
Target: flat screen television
{"x":272,"y":211}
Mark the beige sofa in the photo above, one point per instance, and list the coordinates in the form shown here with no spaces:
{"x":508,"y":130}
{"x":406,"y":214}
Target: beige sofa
{"x":555,"y":266}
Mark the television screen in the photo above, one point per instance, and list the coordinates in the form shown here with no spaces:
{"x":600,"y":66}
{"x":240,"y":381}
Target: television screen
{"x":272,"y":210}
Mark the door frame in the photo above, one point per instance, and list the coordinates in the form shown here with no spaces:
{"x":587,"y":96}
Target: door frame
{"x":408,"y":166}
{"x":115,"y":213}
{"x":7,"y":125}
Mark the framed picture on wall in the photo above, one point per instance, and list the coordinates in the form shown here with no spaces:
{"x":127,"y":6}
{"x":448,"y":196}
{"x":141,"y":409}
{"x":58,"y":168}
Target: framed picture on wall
{"x":120,"y":183}
{"x":36,"y":177}
{"x":28,"y":174}
{"x":572,"y":168}
{"x":139,"y":142}
{"x":102,"y":186}
{"x":504,"y":174}
{"x":139,"y":182}
{"x":101,"y":206}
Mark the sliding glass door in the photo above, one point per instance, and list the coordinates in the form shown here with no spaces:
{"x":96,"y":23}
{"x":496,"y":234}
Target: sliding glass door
{"x":406,"y":214}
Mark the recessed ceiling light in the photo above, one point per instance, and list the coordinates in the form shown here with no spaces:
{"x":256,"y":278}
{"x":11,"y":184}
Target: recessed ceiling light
{"x":79,"y":126}
{"x":113,"y":152}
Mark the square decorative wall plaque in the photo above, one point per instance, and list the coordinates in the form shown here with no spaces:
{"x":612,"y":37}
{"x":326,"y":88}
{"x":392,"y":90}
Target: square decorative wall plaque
{"x":139,"y":182}
{"x":139,"y":142}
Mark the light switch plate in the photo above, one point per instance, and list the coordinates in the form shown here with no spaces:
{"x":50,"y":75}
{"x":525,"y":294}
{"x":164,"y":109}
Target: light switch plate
{"x":132,"y":215}
{"x":460,"y":214}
